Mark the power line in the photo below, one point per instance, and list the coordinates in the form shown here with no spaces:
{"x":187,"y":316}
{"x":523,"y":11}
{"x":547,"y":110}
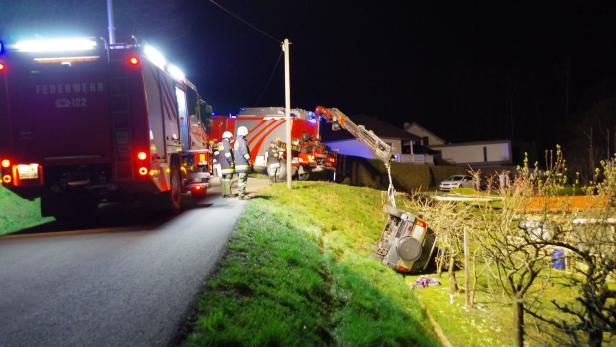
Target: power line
{"x":269,"y":80}
{"x":245,"y":22}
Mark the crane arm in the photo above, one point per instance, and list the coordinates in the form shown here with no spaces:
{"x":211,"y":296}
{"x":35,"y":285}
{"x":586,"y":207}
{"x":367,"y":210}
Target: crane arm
{"x":380,"y":148}
{"x":339,"y":120}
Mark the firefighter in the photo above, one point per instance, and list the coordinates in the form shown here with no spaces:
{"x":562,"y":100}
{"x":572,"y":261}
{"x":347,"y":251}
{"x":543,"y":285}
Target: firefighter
{"x":214,"y":144}
{"x":225,"y":160}
{"x":241,"y":154}
{"x":272,"y":159}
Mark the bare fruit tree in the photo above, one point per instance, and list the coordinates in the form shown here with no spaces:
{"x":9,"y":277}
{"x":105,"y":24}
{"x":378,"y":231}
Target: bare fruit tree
{"x":508,"y":242}
{"x":589,"y":238}
{"x":448,"y":220}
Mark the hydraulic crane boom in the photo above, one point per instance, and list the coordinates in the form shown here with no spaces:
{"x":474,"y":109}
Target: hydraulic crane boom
{"x":379,"y":147}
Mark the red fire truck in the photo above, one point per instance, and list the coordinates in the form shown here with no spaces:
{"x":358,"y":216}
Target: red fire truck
{"x":267,"y":124}
{"x":83,"y":122}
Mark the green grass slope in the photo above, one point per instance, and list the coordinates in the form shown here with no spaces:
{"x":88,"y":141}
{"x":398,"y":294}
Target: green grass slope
{"x":17,"y":213}
{"x":298,"y":272}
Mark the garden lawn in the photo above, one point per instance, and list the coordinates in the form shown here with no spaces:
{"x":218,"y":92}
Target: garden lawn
{"x":490,"y":322}
{"x":298,"y":272}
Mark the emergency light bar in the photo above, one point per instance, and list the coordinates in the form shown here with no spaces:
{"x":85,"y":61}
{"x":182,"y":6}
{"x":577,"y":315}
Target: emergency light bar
{"x":56,"y":45}
{"x":176,"y":73}
{"x":155,"y":56}
{"x":158,"y":59}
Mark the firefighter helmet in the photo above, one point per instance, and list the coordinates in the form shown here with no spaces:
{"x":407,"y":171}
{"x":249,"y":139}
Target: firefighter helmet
{"x":227,"y":135}
{"x":242,"y":131}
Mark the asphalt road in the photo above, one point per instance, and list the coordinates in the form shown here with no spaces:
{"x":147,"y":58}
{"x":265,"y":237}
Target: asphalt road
{"x":129,"y":278}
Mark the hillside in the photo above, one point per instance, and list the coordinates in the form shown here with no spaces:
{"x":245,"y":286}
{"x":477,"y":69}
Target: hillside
{"x":17,"y":213}
{"x":299,"y":272}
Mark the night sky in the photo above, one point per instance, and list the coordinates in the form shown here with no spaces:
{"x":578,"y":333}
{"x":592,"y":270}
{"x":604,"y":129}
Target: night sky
{"x":469,"y":71}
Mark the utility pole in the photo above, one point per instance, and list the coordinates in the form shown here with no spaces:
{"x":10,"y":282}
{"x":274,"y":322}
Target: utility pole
{"x":287,"y":109}
{"x":111,"y":26}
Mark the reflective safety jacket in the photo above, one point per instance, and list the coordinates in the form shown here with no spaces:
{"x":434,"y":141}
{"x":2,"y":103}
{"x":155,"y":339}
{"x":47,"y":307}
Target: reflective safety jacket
{"x":225,"y":157}
{"x":241,"y":154}
{"x":272,"y":156}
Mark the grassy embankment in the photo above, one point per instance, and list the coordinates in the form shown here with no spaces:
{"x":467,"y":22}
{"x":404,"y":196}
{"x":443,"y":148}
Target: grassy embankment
{"x":17,"y":213}
{"x":298,"y":272}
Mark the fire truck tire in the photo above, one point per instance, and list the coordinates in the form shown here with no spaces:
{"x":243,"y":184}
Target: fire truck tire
{"x":172,"y":199}
{"x":282,"y":173}
{"x":302,"y":174}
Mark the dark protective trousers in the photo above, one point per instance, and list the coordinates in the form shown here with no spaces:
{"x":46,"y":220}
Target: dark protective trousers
{"x":241,"y":183}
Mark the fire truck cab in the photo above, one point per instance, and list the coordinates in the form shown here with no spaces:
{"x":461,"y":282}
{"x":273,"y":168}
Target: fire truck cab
{"x":83,"y":122}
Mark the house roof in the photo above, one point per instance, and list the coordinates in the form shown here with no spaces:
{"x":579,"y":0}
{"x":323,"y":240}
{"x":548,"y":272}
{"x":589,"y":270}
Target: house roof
{"x":379,"y":127}
{"x":407,"y":127}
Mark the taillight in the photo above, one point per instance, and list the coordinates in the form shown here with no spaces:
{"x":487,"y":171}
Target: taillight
{"x":2,"y":67}
{"x":6,"y":163}
{"x":420,"y":227}
{"x":402,"y":268}
{"x":142,"y":156}
{"x":143,"y":171}
{"x":133,"y":60}
{"x":7,"y":179}
{"x":421,"y":223}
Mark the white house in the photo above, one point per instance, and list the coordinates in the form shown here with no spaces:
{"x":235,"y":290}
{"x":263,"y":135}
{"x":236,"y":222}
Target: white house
{"x":476,"y":153}
{"x":464,"y":153}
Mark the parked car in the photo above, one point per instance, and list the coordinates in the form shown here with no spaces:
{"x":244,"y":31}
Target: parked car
{"x":456,"y":181}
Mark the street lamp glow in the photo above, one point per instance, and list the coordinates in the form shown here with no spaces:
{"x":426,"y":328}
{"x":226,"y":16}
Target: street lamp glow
{"x":155,"y":56}
{"x":56,"y":45}
{"x":176,"y":73}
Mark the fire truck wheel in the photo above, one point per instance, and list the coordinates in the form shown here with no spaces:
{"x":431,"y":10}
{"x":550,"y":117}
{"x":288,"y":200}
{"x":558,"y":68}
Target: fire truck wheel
{"x":282,"y":172}
{"x":173,"y":198}
{"x":302,"y":174}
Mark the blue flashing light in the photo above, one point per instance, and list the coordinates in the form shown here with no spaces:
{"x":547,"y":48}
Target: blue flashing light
{"x":214,"y":114}
{"x":1,"y":47}
{"x":313,"y":117}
